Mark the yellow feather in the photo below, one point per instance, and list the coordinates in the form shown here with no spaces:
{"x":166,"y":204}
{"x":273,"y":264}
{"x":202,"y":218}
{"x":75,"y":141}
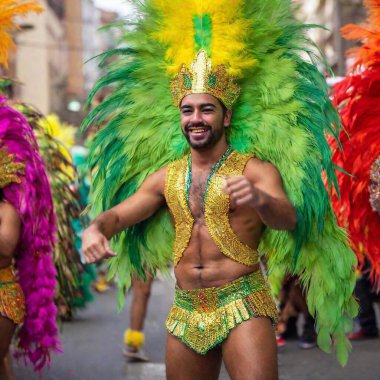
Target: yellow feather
{"x":64,"y":134}
{"x":229,"y":31}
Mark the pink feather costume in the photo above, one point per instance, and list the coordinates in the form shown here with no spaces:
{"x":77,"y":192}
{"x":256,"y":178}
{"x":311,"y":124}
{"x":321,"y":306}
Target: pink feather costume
{"x":32,"y":199}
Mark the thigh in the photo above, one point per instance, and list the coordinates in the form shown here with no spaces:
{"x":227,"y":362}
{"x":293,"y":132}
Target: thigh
{"x":7,"y":329}
{"x":250,"y":351}
{"x":182,"y":363}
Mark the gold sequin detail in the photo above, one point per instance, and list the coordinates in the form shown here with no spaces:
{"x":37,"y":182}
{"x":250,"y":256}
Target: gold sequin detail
{"x":216,"y":210}
{"x":217,"y":213}
{"x":12,"y":301}
{"x":10,"y":171}
{"x":175,"y":194}
{"x":374,"y":188}
{"x":203,"y":318}
{"x":201,"y":78}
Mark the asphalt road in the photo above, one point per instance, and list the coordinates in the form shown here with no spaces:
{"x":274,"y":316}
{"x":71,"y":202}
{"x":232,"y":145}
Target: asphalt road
{"x":93,"y":348}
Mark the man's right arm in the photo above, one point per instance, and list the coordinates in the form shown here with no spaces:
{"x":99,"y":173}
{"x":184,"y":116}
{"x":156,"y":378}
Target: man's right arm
{"x":138,"y":207}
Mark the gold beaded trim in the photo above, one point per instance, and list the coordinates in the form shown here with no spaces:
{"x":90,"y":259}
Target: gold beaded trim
{"x":374,"y":188}
{"x":216,"y":210}
{"x":175,"y":184}
{"x":12,"y":301}
{"x":201,"y":78}
{"x":10,"y":171}
{"x":203,"y":318}
{"x":217,"y":213}
{"x":7,"y":275}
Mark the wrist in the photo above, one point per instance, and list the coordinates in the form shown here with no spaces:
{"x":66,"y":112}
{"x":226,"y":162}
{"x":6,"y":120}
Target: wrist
{"x":257,"y":201}
{"x":94,"y":226}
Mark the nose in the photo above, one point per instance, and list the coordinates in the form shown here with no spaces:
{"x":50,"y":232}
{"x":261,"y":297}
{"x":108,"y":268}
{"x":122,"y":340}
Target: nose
{"x":196,"y":117}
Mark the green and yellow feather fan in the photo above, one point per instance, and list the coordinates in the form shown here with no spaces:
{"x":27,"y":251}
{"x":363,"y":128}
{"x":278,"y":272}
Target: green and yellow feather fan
{"x":282,"y":116}
{"x":54,"y":138}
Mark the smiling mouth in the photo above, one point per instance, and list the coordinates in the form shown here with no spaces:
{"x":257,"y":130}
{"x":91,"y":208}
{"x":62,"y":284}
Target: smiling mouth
{"x":198,"y":130}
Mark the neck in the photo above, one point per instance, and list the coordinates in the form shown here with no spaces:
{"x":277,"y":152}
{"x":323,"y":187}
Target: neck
{"x":208,"y":157}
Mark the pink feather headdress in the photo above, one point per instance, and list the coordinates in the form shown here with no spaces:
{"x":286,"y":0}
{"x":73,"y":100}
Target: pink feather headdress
{"x":32,"y":198}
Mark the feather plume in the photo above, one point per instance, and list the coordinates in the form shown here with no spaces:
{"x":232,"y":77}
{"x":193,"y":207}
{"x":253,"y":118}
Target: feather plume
{"x":368,"y":53}
{"x":55,"y":138}
{"x":357,"y":97}
{"x":9,"y":10}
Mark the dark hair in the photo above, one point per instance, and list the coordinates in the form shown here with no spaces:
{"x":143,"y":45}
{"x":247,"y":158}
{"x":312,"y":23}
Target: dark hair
{"x":224,"y":108}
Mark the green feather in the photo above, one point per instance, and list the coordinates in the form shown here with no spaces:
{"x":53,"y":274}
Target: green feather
{"x":203,"y":32}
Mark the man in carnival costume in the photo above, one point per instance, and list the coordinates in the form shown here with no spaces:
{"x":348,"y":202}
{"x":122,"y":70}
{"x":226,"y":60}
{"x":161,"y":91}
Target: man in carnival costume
{"x":357,"y":97}
{"x":242,"y":175}
{"x":27,"y":273}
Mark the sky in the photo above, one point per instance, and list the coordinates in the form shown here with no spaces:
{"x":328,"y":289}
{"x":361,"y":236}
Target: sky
{"x":121,"y":6}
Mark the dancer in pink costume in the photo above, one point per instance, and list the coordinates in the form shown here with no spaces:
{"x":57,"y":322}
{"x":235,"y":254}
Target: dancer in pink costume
{"x":30,"y":264}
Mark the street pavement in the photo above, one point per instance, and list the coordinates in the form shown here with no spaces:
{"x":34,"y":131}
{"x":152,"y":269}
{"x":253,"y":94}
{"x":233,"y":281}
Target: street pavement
{"x":93,"y":348}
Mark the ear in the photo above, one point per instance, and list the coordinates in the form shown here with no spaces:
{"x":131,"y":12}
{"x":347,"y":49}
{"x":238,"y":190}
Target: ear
{"x":227,"y":119}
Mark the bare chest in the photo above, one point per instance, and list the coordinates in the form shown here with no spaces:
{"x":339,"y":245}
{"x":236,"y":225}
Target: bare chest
{"x":197,"y":194}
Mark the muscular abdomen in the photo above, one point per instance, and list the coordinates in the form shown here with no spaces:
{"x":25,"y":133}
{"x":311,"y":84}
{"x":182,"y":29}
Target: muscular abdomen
{"x":203,"y":265}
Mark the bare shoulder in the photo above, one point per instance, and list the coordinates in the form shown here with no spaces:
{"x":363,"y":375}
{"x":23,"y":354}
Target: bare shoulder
{"x":8,"y":212}
{"x":159,"y":175}
{"x":7,"y":208}
{"x":156,"y":181}
{"x":257,"y":169}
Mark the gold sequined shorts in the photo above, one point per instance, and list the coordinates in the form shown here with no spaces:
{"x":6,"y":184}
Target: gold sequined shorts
{"x":203,"y":318}
{"x":12,"y":301}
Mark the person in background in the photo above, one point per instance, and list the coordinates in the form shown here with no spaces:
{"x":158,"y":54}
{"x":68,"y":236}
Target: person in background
{"x":366,"y":295}
{"x":134,"y":337}
{"x":357,"y":207}
{"x":292,"y":306}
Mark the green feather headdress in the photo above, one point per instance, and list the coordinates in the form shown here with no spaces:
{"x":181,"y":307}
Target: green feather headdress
{"x":282,"y":115}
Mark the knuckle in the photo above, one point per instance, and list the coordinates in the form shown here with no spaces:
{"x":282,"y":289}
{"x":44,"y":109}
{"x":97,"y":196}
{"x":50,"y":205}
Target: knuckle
{"x":95,"y":243}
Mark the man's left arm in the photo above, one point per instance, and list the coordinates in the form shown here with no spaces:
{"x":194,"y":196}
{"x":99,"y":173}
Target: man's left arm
{"x":261,"y":188}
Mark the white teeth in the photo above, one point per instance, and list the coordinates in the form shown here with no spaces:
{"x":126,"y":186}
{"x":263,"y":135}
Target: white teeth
{"x":198,"y":130}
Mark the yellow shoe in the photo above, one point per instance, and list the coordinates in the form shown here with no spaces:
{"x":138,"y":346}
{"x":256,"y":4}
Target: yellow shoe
{"x":133,"y":341}
{"x":102,"y":285}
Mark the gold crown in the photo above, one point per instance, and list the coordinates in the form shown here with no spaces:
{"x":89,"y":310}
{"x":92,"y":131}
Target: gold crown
{"x":203,"y":79}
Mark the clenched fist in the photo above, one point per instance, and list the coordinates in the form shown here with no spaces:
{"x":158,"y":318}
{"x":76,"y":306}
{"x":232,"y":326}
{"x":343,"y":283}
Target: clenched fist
{"x":241,"y":192}
{"x":95,"y":246}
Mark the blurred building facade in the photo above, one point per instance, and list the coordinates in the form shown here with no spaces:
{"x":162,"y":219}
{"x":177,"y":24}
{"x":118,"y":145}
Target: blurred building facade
{"x":39,"y":62}
{"x":52,"y":49}
{"x":332,"y":15}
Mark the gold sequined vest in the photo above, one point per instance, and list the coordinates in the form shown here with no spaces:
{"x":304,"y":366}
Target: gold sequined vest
{"x":217,"y":205}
